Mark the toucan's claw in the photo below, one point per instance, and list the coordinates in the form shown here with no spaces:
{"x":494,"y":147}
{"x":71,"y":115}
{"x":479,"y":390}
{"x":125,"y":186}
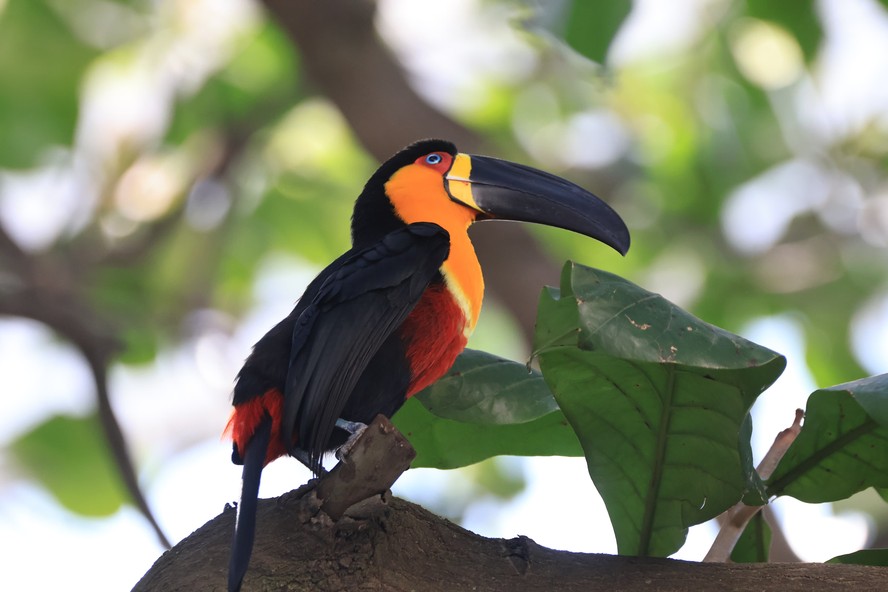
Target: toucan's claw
{"x":352,"y":427}
{"x":355,"y":428}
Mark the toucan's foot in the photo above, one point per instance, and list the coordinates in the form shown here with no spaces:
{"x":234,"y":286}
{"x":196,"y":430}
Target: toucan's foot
{"x":352,"y":427}
{"x":355,"y":428}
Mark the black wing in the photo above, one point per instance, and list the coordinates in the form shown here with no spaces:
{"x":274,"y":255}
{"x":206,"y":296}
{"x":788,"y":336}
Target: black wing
{"x":355,"y":310}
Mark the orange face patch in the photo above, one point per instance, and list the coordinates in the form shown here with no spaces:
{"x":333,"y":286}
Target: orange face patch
{"x":418,"y":194}
{"x":417,"y":191}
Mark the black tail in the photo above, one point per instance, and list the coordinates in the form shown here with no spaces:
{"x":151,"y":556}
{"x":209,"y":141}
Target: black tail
{"x":245,"y":526}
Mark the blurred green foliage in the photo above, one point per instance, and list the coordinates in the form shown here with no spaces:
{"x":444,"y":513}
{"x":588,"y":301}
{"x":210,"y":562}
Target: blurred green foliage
{"x":591,"y":26}
{"x":37,"y":111}
{"x":68,"y":456}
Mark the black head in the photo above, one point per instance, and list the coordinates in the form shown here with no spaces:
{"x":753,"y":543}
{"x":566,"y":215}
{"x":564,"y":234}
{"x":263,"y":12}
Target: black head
{"x":374,"y":214}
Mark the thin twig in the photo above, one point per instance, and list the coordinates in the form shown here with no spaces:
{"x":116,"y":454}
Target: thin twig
{"x":69,"y":318}
{"x":737,"y":517}
{"x":98,"y":365}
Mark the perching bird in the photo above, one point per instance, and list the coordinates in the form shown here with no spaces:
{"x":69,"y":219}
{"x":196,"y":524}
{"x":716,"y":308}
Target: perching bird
{"x":388,"y":317}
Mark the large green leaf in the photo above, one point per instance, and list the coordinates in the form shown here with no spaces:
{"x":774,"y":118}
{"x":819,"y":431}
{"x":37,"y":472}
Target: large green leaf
{"x":658,"y":399}
{"x":485,"y":406}
{"x":843,"y":445}
{"x":592,"y":25}
{"x":68,"y":456}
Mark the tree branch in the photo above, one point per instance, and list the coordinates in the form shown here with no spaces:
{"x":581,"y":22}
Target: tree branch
{"x":74,"y":321}
{"x":50,"y":288}
{"x":375,"y":460}
{"x":47,"y":293}
{"x":11,"y":252}
{"x":386,"y":544}
{"x":98,"y":365}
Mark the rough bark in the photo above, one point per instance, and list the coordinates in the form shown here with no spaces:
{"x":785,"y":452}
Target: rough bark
{"x":390,"y":544}
{"x":376,"y":542}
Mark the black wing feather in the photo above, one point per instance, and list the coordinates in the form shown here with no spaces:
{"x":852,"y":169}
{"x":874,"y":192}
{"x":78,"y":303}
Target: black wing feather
{"x":354,"y":311}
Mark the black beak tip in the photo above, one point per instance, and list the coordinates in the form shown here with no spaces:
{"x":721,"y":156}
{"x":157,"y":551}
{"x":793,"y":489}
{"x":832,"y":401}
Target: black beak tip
{"x":509,"y":191}
{"x":611,"y":231}
{"x":621,"y":242}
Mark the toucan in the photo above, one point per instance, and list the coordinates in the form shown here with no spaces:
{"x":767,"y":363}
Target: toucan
{"x":388,"y":317}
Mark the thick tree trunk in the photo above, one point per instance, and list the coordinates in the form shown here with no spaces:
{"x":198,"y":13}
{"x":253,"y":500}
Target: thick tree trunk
{"x":390,"y":544}
{"x":340,"y":533}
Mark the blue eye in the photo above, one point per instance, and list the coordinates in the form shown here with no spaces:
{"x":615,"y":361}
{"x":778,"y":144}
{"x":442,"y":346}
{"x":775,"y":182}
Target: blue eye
{"x":433,"y":158}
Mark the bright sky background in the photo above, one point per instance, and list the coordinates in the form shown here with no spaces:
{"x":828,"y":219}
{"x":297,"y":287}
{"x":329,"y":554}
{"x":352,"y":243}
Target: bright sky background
{"x":45,"y":547}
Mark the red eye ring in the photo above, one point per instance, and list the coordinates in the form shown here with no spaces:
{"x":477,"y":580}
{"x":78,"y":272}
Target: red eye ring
{"x":438,"y":161}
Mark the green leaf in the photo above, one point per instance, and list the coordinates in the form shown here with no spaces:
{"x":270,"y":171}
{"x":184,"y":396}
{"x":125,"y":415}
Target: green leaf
{"x":486,"y":389}
{"x":485,"y":406}
{"x":447,"y":444}
{"x":754,"y":544}
{"x":41,"y":64}
{"x":798,"y":17}
{"x":843,"y":445}
{"x":140,"y":345}
{"x":658,"y":399}
{"x":756,"y":494}
{"x":592,"y":25}
{"x":69,"y":458}
{"x":864,"y":557}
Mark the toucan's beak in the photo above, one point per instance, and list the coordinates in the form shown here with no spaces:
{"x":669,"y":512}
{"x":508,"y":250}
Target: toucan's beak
{"x":507,"y":191}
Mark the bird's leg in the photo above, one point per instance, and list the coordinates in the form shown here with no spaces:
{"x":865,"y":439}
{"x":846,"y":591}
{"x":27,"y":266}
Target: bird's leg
{"x":352,"y":427}
{"x":355,"y":428}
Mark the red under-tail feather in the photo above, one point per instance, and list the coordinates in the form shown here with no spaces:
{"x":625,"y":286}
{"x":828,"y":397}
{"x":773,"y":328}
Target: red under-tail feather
{"x":245,"y":420}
